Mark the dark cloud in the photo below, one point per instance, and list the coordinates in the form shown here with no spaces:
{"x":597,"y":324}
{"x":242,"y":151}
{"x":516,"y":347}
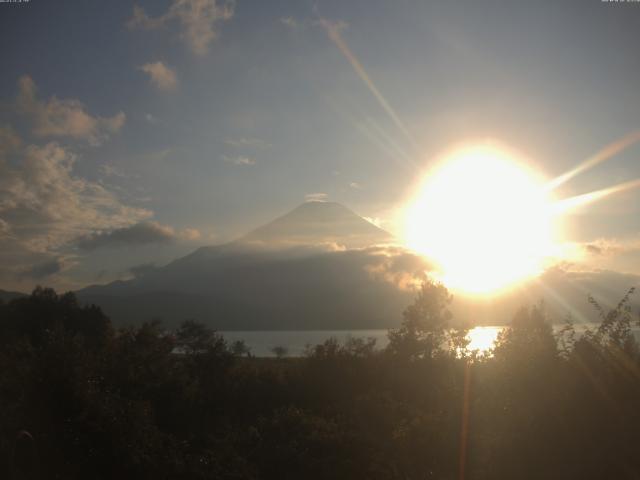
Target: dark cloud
{"x":43,"y":270}
{"x":142,"y":233}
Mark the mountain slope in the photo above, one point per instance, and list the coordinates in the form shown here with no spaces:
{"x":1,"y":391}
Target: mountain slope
{"x":309,"y":269}
{"x":315,"y":223}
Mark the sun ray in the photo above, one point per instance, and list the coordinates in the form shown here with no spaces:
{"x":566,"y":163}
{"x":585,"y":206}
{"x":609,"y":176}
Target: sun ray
{"x":374,"y":133}
{"x":389,"y":140}
{"x":572,"y":203}
{"x":333,"y":31}
{"x":599,"y":157}
{"x":568,"y":307}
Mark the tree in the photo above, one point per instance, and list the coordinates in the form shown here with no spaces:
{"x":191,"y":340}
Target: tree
{"x":279,"y":351}
{"x":240,"y":349}
{"x":426,"y":323}
{"x":196,"y":338}
{"x":529,"y":338}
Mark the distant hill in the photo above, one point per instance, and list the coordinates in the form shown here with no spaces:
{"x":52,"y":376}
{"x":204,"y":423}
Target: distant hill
{"x":7,"y":296}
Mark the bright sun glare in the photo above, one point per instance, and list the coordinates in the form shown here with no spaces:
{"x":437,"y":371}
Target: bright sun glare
{"x":484,"y":219}
{"x":482,"y":339}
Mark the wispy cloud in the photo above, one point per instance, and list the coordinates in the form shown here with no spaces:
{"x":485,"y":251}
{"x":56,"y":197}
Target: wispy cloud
{"x":162,"y":76}
{"x":611,"y":246}
{"x":110,"y":170}
{"x":64,"y":118}
{"x":239,"y":160}
{"x":355,"y":186}
{"x":316,"y":197}
{"x":198,"y":19}
{"x":9,"y":140}
{"x":290,"y":22}
{"x":256,"y":143}
{"x":191,"y":234}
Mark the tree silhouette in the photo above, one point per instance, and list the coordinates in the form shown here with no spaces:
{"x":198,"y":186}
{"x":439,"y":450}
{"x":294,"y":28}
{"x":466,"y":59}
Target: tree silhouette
{"x":426,"y":323}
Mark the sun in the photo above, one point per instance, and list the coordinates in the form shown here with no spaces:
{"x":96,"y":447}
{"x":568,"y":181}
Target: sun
{"x":484,"y":219}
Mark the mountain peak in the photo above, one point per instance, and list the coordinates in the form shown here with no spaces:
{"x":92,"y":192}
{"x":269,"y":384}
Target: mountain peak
{"x":316,"y":222}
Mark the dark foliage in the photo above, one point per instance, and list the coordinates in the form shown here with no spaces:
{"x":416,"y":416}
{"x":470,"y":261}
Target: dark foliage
{"x":80,"y":400}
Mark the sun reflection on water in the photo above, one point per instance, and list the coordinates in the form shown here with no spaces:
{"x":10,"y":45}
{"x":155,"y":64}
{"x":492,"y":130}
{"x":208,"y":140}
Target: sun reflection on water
{"x":482,"y":339}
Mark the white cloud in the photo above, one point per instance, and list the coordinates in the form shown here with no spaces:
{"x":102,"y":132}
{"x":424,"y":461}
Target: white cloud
{"x":396,"y":266}
{"x":239,"y":160}
{"x":316,"y":197}
{"x":198,"y":19}
{"x":110,"y":170}
{"x":355,"y":185}
{"x":247,"y":142}
{"x":162,"y":76}
{"x":64,"y":118}
{"x":290,"y":22}
{"x":611,"y":246}
{"x":45,"y":206}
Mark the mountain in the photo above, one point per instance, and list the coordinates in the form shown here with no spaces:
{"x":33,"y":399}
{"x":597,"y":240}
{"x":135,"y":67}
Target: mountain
{"x":317,"y":267}
{"x":322,"y":267}
{"x":314,"y":223}
{"x":6,"y":296}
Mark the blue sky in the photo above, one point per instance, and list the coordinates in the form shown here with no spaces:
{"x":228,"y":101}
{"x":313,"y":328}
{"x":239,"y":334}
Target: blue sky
{"x":200,"y":120}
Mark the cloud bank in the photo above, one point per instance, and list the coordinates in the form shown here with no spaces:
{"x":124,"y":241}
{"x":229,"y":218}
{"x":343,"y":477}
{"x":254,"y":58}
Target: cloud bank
{"x":142,"y":233}
{"x":45,"y":207}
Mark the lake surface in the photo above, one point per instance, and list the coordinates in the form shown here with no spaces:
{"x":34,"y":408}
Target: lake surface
{"x":295,"y":341}
{"x":262,"y":343}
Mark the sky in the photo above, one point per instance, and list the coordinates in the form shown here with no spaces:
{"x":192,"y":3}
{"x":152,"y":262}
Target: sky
{"x":133,"y":132}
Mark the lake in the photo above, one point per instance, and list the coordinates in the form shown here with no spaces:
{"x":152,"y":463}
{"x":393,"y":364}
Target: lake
{"x":262,"y":343}
{"x":296,"y":341}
